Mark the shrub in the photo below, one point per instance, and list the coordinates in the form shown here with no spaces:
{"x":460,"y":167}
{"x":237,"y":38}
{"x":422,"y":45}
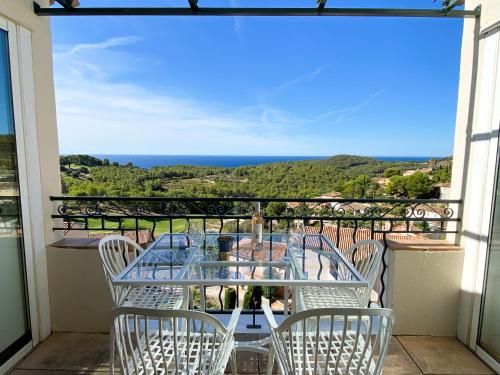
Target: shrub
{"x":256,"y":301}
{"x":272,"y":292}
{"x":230,"y":299}
{"x":390,"y":172}
{"x":210,"y":302}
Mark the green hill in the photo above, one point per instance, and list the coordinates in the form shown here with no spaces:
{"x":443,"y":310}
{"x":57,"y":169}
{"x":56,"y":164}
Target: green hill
{"x":342,"y":173}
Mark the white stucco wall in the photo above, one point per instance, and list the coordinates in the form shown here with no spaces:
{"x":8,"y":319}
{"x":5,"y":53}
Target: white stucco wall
{"x":40,"y":147}
{"x":423,"y":286}
{"x":80,"y":300}
{"x":476,"y":141}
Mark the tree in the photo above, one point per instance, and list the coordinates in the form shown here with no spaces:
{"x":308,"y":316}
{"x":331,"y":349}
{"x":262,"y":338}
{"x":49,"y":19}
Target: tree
{"x":361,"y":187}
{"x":390,"y":172}
{"x":86,"y":160}
{"x":276,"y":208}
{"x":397,"y":186}
{"x":441,"y":175}
{"x":419,"y":185}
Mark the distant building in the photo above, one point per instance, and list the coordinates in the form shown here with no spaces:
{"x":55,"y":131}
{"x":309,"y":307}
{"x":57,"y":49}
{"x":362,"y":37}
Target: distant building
{"x":413,"y":171}
{"x":354,"y":208}
{"x":381,"y":181}
{"x":331,"y":195}
{"x":293,"y":205}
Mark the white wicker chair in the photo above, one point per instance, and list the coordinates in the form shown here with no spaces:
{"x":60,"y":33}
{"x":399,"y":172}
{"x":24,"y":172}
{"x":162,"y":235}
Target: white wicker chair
{"x":331,"y":344}
{"x":366,"y":256}
{"x":116,"y":253}
{"x":173,"y":341}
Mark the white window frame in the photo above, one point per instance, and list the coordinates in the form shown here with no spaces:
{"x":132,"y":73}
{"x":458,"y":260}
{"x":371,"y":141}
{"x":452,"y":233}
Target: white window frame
{"x":21,"y":69}
{"x":480,"y":191}
{"x":489,"y":112}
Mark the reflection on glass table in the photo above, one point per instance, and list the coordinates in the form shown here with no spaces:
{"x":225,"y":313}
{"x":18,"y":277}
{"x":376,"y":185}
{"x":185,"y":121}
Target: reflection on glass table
{"x":313,"y":260}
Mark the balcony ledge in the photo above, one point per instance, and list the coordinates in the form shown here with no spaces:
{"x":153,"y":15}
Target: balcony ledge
{"x":76,"y":243}
{"x":418,"y":244}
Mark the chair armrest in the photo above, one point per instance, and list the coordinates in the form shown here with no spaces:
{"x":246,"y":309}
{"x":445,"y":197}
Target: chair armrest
{"x":234,"y":319}
{"x":269,"y":316}
{"x":299,"y":300}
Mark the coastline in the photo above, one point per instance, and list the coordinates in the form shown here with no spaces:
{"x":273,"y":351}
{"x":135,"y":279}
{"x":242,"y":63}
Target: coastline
{"x":230,"y":161}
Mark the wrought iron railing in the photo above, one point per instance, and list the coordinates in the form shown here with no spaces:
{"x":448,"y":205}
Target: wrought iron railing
{"x":344,"y":221}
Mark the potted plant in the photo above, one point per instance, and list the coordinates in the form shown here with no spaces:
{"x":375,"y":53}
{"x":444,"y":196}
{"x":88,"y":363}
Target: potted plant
{"x":225,"y":243}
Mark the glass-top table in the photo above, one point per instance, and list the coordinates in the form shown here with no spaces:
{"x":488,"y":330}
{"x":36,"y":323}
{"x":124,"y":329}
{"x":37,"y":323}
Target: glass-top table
{"x":282,"y":261}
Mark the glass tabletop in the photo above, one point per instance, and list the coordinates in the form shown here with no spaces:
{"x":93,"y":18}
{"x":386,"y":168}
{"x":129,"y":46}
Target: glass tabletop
{"x":233,"y":259}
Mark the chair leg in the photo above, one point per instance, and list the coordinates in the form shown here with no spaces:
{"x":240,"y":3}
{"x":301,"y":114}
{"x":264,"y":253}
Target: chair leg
{"x":270,"y":362}
{"x":234,"y":366}
{"x":112,"y":351}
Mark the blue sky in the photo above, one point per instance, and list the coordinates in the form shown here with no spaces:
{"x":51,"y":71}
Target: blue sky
{"x":257,"y":86}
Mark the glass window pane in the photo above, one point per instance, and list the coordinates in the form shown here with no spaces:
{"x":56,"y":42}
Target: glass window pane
{"x":490,"y":326}
{"x":14,"y":323}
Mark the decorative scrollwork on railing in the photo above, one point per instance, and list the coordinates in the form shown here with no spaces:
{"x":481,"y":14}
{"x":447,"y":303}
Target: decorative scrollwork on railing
{"x":344,"y":221}
{"x":344,"y":209}
{"x":98,"y":208}
{"x":376,"y":209}
{"x":115,"y":207}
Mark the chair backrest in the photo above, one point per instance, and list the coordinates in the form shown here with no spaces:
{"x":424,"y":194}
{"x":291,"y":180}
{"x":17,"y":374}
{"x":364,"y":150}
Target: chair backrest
{"x":152,"y":341}
{"x":116,"y":253}
{"x":333,"y":341}
{"x":366,"y":256}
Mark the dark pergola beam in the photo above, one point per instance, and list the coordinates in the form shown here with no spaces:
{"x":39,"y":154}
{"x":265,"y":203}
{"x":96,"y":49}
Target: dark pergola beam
{"x":354,"y":12}
{"x":321,"y":4}
{"x":193,"y":4}
{"x":66,"y":4}
{"x":450,"y":4}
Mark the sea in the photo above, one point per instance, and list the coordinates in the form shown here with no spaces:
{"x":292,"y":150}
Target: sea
{"x":149,"y":161}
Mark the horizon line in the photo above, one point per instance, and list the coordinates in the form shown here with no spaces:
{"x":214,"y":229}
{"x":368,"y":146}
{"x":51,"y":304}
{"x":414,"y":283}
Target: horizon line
{"x":276,"y":156}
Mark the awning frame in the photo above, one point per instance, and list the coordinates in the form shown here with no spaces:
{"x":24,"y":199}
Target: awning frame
{"x":193,"y":9}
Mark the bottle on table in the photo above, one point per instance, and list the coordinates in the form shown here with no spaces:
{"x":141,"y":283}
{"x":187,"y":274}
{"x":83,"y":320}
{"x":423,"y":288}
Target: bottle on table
{"x":257,"y":230}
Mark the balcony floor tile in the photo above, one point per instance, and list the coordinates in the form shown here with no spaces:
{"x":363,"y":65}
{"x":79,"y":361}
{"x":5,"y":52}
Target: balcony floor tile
{"x":75,"y":353}
{"x":47,"y":372}
{"x":398,"y":362}
{"x":68,"y":352}
{"x":443,"y":356}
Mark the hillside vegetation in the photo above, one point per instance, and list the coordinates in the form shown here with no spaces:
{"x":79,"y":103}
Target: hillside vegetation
{"x":352,"y":176}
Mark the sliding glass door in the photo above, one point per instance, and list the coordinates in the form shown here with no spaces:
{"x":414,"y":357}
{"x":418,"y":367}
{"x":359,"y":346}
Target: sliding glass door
{"x":489,"y":332}
{"x":14,"y":317}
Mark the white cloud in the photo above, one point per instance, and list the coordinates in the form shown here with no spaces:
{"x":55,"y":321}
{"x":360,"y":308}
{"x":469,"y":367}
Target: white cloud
{"x":238,"y":23}
{"x":99,"y":113}
{"x":109,"y":43}
{"x":305,"y":77}
{"x":343,"y":114}
{"x":310,"y":76}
